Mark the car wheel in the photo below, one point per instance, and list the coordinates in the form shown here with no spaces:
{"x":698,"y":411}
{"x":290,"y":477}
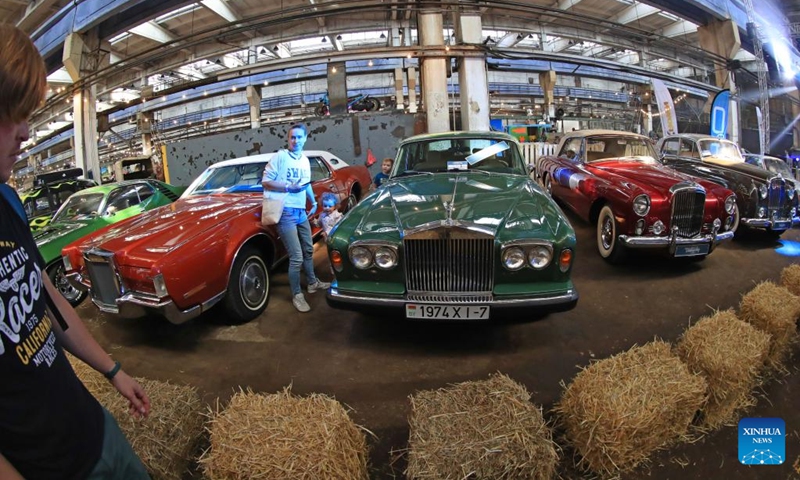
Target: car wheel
{"x":607,"y":242}
{"x":73,"y":295}
{"x":350,"y":202}
{"x":248,"y":287}
{"x":736,"y":217}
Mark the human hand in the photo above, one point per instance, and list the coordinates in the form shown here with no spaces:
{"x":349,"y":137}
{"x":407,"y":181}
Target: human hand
{"x":313,"y":209}
{"x":294,"y":188}
{"x":139,"y":403}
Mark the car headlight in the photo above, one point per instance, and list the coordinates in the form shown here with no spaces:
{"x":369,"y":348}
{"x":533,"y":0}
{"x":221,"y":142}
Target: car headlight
{"x":762,"y":212}
{"x":640,"y":226}
{"x":385,"y":258}
{"x":67,"y":263}
{"x":361,"y":257}
{"x":641,"y":205}
{"x":763,"y":191}
{"x":514,"y":258}
{"x":539,"y":257}
{"x":730,"y":204}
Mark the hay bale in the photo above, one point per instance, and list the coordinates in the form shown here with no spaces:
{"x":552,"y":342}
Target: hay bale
{"x":283,"y":436}
{"x":487,"y":429}
{"x":774,"y":310}
{"x":167,"y":439}
{"x":618,"y":411}
{"x":790,"y":278}
{"x":730,"y":354}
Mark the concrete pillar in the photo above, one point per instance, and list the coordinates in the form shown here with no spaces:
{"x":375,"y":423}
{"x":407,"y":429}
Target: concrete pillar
{"x":721,"y":37}
{"x":472,"y":79}
{"x":412,"y":89}
{"x":337,"y":88}
{"x":399,"y":81}
{"x":83,"y":55}
{"x":547,"y":80}
{"x":647,"y":120}
{"x":434,"y":73}
{"x":146,"y":129}
{"x":254,"y":100}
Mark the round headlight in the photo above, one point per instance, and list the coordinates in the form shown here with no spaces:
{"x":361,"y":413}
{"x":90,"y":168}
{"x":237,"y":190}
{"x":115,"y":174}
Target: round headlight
{"x":762,"y":212}
{"x":539,"y":257}
{"x":514,"y":258}
{"x":730,"y":204}
{"x":385,"y":258}
{"x":717,"y":223}
{"x":641,"y":205}
{"x":763,"y":191}
{"x":658,"y":227}
{"x":361,"y":257}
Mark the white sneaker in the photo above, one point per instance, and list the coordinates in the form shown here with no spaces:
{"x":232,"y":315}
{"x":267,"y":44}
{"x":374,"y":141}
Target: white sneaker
{"x":299,"y":302}
{"x":320,"y":285}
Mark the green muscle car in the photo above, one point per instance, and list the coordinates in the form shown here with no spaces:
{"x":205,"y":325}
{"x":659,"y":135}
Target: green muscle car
{"x":457,"y":232}
{"x":92,"y":209}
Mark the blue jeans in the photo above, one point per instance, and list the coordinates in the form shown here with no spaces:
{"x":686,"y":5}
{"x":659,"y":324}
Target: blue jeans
{"x":295,"y":232}
{"x":118,"y":460}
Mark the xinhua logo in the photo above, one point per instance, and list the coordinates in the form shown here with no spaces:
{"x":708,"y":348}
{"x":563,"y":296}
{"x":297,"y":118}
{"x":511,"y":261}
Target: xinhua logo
{"x":762,"y":441}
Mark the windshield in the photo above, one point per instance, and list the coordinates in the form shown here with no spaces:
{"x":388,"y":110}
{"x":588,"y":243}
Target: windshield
{"x":619,"y":148}
{"x":776,"y":165}
{"x":79,"y":207}
{"x":231,"y":179}
{"x":459,"y":154}
{"x":722,"y":149}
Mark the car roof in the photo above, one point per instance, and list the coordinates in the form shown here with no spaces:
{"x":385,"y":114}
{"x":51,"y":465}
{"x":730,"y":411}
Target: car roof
{"x":264,"y":157}
{"x":459,"y":134}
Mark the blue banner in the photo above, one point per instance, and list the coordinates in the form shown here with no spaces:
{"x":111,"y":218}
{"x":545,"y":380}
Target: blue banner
{"x":719,"y":114}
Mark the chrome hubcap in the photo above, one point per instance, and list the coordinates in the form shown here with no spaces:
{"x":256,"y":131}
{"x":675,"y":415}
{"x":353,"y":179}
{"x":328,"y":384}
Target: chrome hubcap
{"x":63,"y":286}
{"x":253,"y":284}
{"x":607,"y":233}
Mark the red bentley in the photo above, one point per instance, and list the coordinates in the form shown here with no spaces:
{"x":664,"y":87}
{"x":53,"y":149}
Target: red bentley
{"x":616,"y":180}
{"x":207,"y":247}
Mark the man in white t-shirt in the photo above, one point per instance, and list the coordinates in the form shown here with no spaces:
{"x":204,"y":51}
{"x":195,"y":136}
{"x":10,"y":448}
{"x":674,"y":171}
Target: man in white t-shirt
{"x":293,"y":226}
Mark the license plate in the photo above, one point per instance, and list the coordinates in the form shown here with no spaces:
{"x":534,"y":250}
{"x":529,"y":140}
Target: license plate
{"x":691,"y":250}
{"x":784,"y":225}
{"x":447,"y":312}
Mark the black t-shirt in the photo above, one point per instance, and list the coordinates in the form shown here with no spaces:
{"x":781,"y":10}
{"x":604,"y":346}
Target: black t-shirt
{"x":50,"y":425}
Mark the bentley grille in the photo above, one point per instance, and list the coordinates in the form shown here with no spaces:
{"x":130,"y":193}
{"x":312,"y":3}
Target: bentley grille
{"x":454,"y":265}
{"x":688,"y":206}
{"x":105,"y":286}
{"x":776,"y":198}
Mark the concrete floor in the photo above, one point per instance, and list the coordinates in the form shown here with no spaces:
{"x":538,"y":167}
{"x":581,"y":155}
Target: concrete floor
{"x":374,"y":364}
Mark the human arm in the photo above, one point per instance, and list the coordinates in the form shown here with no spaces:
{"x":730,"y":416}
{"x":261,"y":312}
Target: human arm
{"x":78,"y":341}
{"x":7,"y":471}
{"x":311,"y":198}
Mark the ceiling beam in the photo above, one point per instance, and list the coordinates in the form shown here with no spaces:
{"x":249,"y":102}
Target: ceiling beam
{"x":635,"y":12}
{"x":682,"y":27}
{"x":154,"y":32}
{"x":222,"y":9}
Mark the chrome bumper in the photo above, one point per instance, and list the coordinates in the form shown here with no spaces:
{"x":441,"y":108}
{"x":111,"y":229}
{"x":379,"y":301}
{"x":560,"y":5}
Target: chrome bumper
{"x":768,"y":222}
{"x":338,"y":299}
{"x":673,"y":240}
{"x":133,"y":305}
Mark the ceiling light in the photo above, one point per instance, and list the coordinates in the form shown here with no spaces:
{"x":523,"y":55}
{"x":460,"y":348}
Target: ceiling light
{"x":275,"y":48}
{"x":369,"y":64}
{"x":324,"y":39}
{"x":338,"y":37}
{"x":383,"y":35}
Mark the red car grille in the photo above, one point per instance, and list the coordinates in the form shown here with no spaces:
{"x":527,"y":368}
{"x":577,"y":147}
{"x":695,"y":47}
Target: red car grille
{"x":688,"y":206}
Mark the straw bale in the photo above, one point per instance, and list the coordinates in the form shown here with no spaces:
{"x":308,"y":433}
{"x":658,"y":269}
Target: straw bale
{"x":483,"y":430}
{"x":618,"y":411}
{"x":790,"y":278}
{"x":730,"y":354}
{"x":773,"y":309}
{"x":284,"y":436}
{"x":167,"y":439}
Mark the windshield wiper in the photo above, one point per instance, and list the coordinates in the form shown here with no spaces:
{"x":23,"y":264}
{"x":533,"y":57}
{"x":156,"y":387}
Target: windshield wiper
{"x":414,"y":172}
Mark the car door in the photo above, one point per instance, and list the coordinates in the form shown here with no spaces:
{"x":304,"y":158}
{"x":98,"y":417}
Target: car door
{"x":567,"y":166}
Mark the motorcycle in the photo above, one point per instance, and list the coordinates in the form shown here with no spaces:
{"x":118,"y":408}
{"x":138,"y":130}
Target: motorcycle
{"x":355,"y":103}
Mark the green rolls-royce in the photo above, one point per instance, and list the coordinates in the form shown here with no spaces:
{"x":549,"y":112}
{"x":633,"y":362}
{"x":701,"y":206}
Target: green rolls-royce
{"x":457,"y":232}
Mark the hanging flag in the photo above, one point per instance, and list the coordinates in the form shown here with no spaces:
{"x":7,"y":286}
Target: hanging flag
{"x":370,"y":158}
{"x":719,"y":114}
{"x":666,"y":109}
{"x":761,"y":141}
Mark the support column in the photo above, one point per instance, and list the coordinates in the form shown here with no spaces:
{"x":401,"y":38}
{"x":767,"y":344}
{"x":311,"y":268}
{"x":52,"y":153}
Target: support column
{"x":399,"y":80}
{"x":721,"y":37}
{"x":253,"y":94}
{"x":434,"y":73}
{"x":83,"y":55}
{"x":146,"y":128}
{"x":547,"y":80}
{"x":647,"y":120}
{"x":472,"y":79}
{"x":412,"y":89}
{"x":337,"y":88}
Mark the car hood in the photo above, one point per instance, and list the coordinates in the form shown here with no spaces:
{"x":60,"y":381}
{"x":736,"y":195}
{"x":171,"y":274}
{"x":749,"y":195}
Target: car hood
{"x":53,"y":231}
{"x":487,"y":203}
{"x":753,"y":171}
{"x":166,"y":228}
{"x":647,"y":176}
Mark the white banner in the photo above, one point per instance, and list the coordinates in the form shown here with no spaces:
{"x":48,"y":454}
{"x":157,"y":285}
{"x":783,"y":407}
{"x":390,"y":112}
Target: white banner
{"x":666,"y":109}
{"x":760,"y":120}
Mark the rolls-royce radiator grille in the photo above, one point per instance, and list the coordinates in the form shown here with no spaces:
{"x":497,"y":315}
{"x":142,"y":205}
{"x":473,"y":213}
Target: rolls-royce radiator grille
{"x":104,"y":281}
{"x":687,"y":212}
{"x":449,"y":265}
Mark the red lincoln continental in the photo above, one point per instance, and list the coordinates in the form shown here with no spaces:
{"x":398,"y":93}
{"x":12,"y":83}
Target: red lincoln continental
{"x":207,"y":247}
